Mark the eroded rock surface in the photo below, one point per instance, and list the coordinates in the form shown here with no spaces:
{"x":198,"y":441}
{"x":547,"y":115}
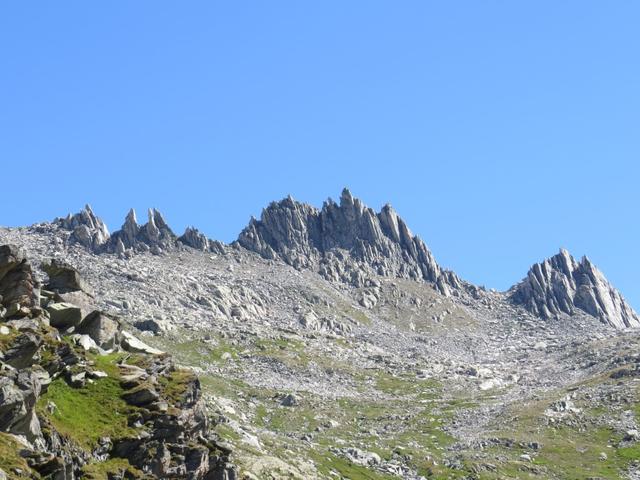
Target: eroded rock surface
{"x":346,"y":241}
{"x":561,"y":284}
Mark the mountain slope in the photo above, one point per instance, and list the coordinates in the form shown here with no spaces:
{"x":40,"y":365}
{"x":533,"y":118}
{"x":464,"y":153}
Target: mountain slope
{"x":308,"y":375}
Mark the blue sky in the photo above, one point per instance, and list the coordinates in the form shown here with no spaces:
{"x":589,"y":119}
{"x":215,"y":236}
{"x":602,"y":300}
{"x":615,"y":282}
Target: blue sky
{"x":499,"y":130}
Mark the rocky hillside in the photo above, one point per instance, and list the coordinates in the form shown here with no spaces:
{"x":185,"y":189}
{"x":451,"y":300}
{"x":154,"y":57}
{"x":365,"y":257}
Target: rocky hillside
{"x":329,"y":343}
{"x":80,"y":397}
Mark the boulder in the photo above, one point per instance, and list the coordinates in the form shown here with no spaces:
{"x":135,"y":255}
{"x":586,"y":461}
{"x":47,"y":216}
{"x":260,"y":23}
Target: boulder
{"x":86,"y":342}
{"x":21,"y":351}
{"x":153,"y":325}
{"x":289,"y":400}
{"x":141,"y":395}
{"x":64,"y":278}
{"x":80,"y":299}
{"x":133,"y":345}
{"x":18,"y":292}
{"x":102,"y":328}
{"x":64,"y":315}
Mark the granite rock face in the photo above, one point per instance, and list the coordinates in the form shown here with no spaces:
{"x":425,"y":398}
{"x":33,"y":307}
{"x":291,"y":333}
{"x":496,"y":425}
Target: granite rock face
{"x":561,"y":284}
{"x":347,"y":241}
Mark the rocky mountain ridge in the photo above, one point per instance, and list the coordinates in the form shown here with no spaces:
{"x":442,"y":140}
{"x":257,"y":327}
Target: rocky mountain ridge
{"x":349,"y":242}
{"x":306,"y":377}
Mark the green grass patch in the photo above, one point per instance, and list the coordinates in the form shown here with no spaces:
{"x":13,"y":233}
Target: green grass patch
{"x":10,"y":460}
{"x":114,"y":466}
{"x":175,"y":384}
{"x":88,"y":413}
{"x":328,"y":464}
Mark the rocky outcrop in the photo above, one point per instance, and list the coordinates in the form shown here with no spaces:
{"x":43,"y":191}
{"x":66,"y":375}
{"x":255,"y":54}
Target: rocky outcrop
{"x":147,"y":416}
{"x":561,"y":284}
{"x":18,"y":293}
{"x":198,"y":241}
{"x":86,"y":228}
{"x":64,"y":278}
{"x":346,"y":241}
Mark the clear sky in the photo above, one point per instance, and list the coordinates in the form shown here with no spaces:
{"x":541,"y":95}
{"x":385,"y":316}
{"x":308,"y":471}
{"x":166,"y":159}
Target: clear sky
{"x":499,"y":130}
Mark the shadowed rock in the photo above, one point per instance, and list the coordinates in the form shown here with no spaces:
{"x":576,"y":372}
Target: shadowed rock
{"x":18,"y":295}
{"x":64,"y":278}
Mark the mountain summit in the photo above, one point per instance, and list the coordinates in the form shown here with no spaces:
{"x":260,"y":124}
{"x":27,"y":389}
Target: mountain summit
{"x":344,"y":241}
{"x":561,"y":284}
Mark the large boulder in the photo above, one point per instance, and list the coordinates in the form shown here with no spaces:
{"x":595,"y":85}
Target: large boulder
{"x":102,"y":328}
{"x":18,"y":292}
{"x":20,"y":352}
{"x":64,"y":315}
{"x":18,"y":394}
{"x":64,"y":278}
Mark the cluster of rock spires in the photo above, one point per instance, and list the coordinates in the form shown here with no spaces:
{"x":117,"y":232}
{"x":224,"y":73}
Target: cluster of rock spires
{"x":155,"y":236}
{"x":46,"y":343}
{"x":561,"y":284}
{"x":349,"y":242}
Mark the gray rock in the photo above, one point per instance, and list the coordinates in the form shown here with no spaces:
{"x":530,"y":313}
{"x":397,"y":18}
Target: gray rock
{"x":289,"y":400}
{"x":377,"y":244}
{"x":102,"y":328}
{"x":155,"y":236}
{"x":23,"y":348}
{"x":87,"y":229}
{"x":86,"y":342}
{"x":64,"y":278}
{"x":198,"y":241}
{"x":153,"y":325}
{"x":64,"y":315}
{"x":561,"y":284}
{"x":17,"y":284}
{"x":140,"y":396}
{"x":132,"y":344}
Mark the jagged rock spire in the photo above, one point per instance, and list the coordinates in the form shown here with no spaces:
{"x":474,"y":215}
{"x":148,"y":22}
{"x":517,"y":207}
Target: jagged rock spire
{"x":130,"y":229}
{"x":377,"y":243}
{"x":561,"y":284}
{"x":154,"y":236}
